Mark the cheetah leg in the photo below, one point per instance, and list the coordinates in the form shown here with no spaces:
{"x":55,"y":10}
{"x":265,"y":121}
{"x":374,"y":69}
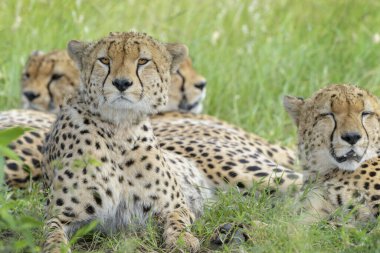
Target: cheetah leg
{"x":56,"y":237}
{"x":283,"y":180}
{"x":175,"y":230}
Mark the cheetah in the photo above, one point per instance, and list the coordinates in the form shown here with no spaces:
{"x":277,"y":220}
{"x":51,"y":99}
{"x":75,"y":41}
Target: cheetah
{"x":124,"y":78}
{"x":338,"y":143}
{"x":48,"y":78}
{"x":219,"y":149}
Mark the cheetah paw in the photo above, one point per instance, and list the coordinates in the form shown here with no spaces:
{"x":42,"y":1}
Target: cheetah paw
{"x":185,"y":241}
{"x":230,"y":233}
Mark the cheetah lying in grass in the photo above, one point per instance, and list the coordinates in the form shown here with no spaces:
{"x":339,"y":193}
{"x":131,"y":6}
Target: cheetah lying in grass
{"x":338,"y":142}
{"x":124,"y":78}
{"x":219,"y":149}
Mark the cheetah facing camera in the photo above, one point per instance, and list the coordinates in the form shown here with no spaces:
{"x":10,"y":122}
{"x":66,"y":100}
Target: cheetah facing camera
{"x":124,"y":77}
{"x":48,"y":78}
{"x":338,"y":141}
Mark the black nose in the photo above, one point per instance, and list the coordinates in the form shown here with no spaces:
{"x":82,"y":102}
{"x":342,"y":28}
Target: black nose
{"x":30,"y":95}
{"x":122,"y":84}
{"x":200,"y":85}
{"x":351,"y":137}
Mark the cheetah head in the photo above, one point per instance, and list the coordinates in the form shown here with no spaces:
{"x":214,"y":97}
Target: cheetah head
{"x":126,"y":75}
{"x":338,"y":127}
{"x":187,"y":90}
{"x":47,"y":78}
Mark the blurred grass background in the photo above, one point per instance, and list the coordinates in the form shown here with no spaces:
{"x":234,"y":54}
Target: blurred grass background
{"x":251,"y":52}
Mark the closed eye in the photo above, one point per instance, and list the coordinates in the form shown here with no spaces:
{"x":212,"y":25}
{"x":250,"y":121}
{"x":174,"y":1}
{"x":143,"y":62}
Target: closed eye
{"x":55,"y":77}
{"x":326,"y":114}
{"x":366,"y":113}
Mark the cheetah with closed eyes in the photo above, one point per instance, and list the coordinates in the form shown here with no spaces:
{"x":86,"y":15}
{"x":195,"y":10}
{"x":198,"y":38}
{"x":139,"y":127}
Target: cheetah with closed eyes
{"x":338,"y":142}
{"x":124,"y":78}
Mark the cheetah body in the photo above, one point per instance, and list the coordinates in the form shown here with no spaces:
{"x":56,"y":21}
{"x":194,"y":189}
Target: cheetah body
{"x":101,"y":159}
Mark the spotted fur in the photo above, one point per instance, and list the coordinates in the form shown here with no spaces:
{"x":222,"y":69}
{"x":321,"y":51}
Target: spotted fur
{"x":338,"y":142}
{"x":102,"y":161}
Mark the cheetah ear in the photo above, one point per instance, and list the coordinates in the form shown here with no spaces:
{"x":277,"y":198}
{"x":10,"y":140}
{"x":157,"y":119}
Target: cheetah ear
{"x":37,"y":53}
{"x":75,"y":49}
{"x":293,"y":107}
{"x":178,"y":52}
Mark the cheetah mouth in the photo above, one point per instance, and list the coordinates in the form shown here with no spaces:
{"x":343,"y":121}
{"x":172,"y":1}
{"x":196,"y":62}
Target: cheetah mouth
{"x":183,"y":105}
{"x":121,"y":98}
{"x":349,"y":156}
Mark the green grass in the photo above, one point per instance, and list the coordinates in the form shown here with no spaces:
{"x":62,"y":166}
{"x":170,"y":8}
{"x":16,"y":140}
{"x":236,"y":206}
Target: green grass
{"x":252,"y":53}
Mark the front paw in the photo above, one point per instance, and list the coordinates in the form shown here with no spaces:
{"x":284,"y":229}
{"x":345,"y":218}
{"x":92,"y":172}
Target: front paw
{"x":184,"y":241}
{"x":230,"y":233}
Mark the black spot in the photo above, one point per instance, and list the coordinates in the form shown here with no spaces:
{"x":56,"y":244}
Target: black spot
{"x":75,"y":200}
{"x":12,"y":166}
{"x":253,"y":168}
{"x":109,"y":192}
{"x":377,"y":186}
{"x":146,"y":208}
{"x":226,"y":168}
{"x":69,"y":174}
{"x":375,"y":197}
{"x":232,"y":174}
{"x":59,"y":202}
{"x":129,"y":163}
{"x":28,"y":139}
{"x":240,"y":185}
{"x":261,"y":174}
{"x":366,"y":185}
{"x":97,"y":198}
{"x":135,"y":198}
{"x":372,"y":174}
{"x":243,"y":161}
{"x":90,"y":209}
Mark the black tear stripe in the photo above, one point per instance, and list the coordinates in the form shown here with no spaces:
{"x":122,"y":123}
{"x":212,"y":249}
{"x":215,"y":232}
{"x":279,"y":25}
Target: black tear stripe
{"x":332,"y":134}
{"x":109,"y":70}
{"x":51,"y":99}
{"x":184,"y":98}
{"x":155,"y":65}
{"x":92,"y":69}
{"x":141,"y":83}
{"x":366,"y":133}
{"x":39,"y":66}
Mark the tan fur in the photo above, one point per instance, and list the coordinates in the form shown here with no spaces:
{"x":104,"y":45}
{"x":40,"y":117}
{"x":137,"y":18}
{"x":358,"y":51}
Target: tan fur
{"x":186,"y":93}
{"x":107,"y":121}
{"x":344,"y":172}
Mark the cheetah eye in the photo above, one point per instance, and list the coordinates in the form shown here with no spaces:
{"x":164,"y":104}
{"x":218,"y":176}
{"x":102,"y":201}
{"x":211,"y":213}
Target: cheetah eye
{"x":367,"y":113}
{"x":143,"y":61}
{"x":26,"y":76}
{"x":56,"y":76}
{"x":104,"y":60}
{"x":326,"y":114}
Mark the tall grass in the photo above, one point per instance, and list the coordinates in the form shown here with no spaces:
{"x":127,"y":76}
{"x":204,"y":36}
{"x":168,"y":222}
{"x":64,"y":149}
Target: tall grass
{"x":252,"y":53}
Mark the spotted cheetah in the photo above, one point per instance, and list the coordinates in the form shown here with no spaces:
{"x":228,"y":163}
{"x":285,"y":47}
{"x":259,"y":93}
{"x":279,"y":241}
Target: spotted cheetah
{"x":219,"y":149}
{"x":124,"y":78}
{"x":338,"y":142}
{"x":48,"y":78}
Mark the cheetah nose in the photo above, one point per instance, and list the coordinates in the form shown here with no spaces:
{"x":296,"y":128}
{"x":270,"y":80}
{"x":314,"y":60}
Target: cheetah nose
{"x":122,"y":84}
{"x":351,"y":137}
{"x":201,"y":85}
{"x":30,"y":95}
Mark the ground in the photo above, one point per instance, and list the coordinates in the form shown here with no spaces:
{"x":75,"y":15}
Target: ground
{"x":251,"y":52}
